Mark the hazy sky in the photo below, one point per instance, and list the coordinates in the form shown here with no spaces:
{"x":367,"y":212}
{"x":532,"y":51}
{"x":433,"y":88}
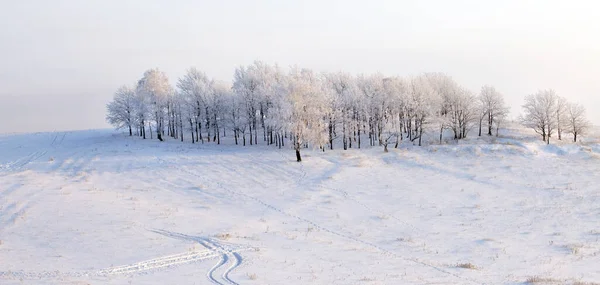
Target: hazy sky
{"x":61,"y":60}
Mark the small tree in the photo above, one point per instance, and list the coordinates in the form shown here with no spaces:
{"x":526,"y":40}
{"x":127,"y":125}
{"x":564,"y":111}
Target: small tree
{"x":561,"y":109}
{"x":576,"y":121}
{"x":492,"y":106}
{"x":121,"y":110}
{"x":540,"y":113}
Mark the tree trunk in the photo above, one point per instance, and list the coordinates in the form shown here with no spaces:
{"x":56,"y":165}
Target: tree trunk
{"x":250,"y":127}
{"x":490,"y":123}
{"x":358,"y":126}
{"x":330,"y":134}
{"x":575,"y":137}
{"x":344,"y":136}
{"x":192,"y":130}
{"x":420,"y":134}
{"x":298,"y":158}
{"x":159,"y":131}
{"x":497,"y":129}
{"x":200,"y":132}
{"x":559,"y":134}
{"x":544,"y":136}
{"x":143,"y":129}
{"x":181,"y":128}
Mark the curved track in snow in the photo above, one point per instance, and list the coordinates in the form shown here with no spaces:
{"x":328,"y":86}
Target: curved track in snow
{"x":340,"y":234}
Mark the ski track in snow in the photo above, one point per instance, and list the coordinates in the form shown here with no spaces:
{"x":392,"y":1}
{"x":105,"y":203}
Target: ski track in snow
{"x":75,"y":166}
{"x":226,"y":253}
{"x":76,"y":162}
{"x":234,"y":194}
{"x":213,"y":250}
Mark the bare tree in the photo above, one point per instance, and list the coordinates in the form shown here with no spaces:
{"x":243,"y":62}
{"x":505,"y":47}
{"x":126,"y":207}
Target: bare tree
{"x":121,"y":111}
{"x":492,"y":106}
{"x":424,"y":103}
{"x":576,"y":121}
{"x":561,"y":109}
{"x":540,"y":113}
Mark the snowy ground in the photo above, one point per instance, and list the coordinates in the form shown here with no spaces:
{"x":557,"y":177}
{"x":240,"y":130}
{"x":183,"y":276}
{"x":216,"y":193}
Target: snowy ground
{"x":100,"y":207}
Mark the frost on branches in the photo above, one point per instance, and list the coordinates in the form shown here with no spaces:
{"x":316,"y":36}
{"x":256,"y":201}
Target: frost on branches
{"x":300,"y":108}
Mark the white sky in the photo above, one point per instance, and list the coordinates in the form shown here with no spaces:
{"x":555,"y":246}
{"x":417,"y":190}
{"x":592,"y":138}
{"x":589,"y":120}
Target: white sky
{"x":61,"y":60}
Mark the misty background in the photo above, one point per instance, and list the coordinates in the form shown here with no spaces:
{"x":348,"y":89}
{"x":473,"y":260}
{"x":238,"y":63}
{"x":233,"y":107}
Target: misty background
{"x":61,"y":61}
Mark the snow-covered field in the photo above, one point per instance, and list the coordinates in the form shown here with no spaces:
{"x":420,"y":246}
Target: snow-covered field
{"x":99,"y":207}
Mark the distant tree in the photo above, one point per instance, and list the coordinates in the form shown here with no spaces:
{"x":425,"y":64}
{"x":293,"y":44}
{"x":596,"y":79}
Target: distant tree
{"x":121,"y":110}
{"x":424,"y":105}
{"x":142,"y":111}
{"x":462,"y":112}
{"x":561,"y":109}
{"x":540,"y":113}
{"x":217,"y":102}
{"x":196,"y":88}
{"x":491,"y":107}
{"x":307,"y":123}
{"x":576,"y":121}
{"x":343,"y":108}
{"x":394,"y":90}
{"x":155,"y":87}
{"x":246,"y":85}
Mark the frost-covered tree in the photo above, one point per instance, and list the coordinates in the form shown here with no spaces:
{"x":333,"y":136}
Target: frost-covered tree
{"x":491,"y":107}
{"x":456,"y":109}
{"x":307,"y":106}
{"x":155,"y":87}
{"x":462,"y":112}
{"x":377,"y":102}
{"x":540,"y":113}
{"x":121,"y":110}
{"x":180,"y":115}
{"x":561,"y":109}
{"x":278,"y":109}
{"x":346,"y":107}
{"x":246,"y":85}
{"x":196,"y":88}
{"x":576,"y":121}
{"x":142,"y":112}
{"x":394,"y":92}
{"x":217,"y":102}
{"x":235,"y":115}
{"x":424,"y":104}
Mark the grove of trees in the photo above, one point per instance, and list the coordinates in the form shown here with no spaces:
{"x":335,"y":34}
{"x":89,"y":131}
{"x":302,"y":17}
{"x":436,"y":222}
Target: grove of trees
{"x":267,"y":104}
{"x":548,"y":114}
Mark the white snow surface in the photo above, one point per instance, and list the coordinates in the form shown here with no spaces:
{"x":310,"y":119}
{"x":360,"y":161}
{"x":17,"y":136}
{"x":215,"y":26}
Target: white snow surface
{"x":100,"y":207}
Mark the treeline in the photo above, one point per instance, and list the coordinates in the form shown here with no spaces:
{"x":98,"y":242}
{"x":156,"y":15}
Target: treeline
{"x":302,"y":108}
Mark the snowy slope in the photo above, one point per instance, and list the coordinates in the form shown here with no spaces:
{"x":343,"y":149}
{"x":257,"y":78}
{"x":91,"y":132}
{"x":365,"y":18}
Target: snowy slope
{"x":100,"y":207}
